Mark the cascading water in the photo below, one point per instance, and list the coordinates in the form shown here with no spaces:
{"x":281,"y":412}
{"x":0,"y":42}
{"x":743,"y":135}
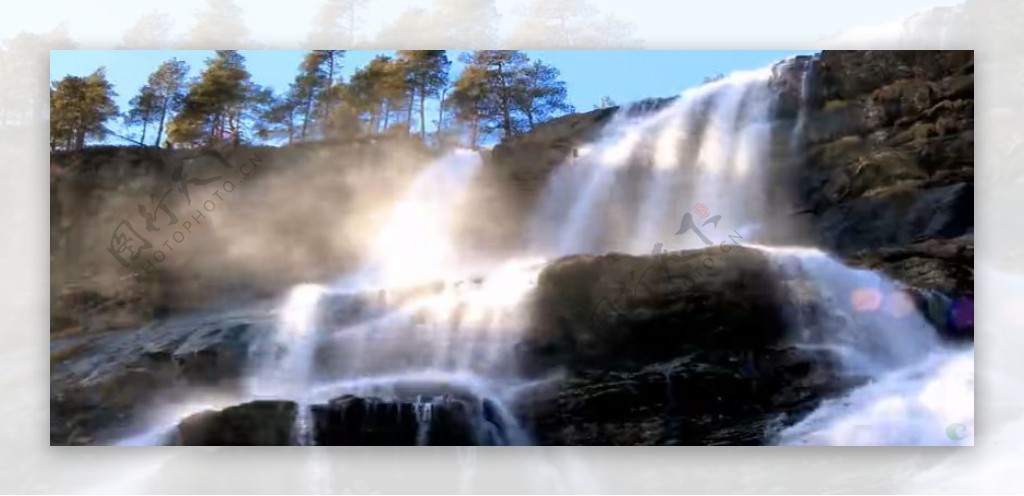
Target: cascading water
{"x":417,"y":349}
{"x":708,"y":146}
{"x":918,"y":391}
{"x":290,"y":374}
{"x":434,"y":351}
{"x":711,"y":147}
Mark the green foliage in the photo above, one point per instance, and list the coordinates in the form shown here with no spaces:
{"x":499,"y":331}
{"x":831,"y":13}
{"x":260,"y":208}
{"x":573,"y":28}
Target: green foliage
{"x":502,"y":90}
{"x":162,"y":95}
{"x":498,"y":91}
{"x":377,"y":91}
{"x":426,"y":75}
{"x":79,"y":109}
{"x":218,"y":103}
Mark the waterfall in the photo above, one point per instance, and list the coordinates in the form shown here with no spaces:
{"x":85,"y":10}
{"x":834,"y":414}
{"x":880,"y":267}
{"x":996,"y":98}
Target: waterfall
{"x":806,"y":76}
{"x":439,"y":346}
{"x":871,"y":323}
{"x":415,"y":242}
{"x":917,"y":390}
{"x":709,"y":146}
{"x":287,"y":368}
{"x":419,"y":345}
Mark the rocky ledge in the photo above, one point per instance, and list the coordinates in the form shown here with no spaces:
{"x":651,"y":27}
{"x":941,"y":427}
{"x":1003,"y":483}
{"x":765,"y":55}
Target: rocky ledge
{"x":697,"y":347}
{"x":692,"y":347}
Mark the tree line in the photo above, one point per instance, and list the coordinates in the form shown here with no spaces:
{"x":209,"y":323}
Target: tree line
{"x":497,"y":93}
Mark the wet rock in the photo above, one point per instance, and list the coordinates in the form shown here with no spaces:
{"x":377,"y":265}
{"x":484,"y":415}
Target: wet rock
{"x":107,"y":378}
{"x":899,"y":217}
{"x":213,"y":355}
{"x":939,"y":273}
{"x":619,"y":308}
{"x":257,"y":423}
{"x":443,"y":421}
{"x":674,"y":357}
{"x":889,"y":148}
{"x":703,"y":398}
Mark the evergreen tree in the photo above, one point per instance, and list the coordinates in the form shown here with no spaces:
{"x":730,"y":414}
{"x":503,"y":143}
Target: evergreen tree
{"x":502,"y":70}
{"x":279,"y":118}
{"x":470,"y":101}
{"x":426,"y":76}
{"x":162,"y":95}
{"x":501,"y":90}
{"x":378,"y":90}
{"x":79,"y":109}
{"x":215,"y":105}
{"x":539,"y":94}
{"x":143,"y":111}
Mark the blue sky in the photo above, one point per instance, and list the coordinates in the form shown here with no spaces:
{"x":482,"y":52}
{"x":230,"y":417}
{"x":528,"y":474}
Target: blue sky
{"x":623,"y":75}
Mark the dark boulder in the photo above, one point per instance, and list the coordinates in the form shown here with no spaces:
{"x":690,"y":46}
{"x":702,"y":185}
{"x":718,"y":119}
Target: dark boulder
{"x":623,"y":308}
{"x":689,"y":348}
{"x":435,"y":421}
{"x":257,"y":423}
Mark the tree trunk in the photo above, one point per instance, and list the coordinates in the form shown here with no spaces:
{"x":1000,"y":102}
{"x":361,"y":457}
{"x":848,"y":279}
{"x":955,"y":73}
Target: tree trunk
{"x":163,"y":116}
{"x":327,"y":90}
{"x":440,"y":110}
{"x":475,"y":133}
{"x":305,"y":116}
{"x":506,"y":112}
{"x":408,"y":113}
{"x":387,"y":115}
{"x":423,"y":116}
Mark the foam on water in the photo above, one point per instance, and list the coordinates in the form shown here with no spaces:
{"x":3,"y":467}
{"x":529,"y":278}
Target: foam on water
{"x":919,"y":391}
{"x":927,"y":403}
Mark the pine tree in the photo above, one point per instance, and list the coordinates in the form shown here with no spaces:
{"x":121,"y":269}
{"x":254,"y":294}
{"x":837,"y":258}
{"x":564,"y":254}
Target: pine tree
{"x":426,"y":76}
{"x":378,"y":90}
{"x":144,"y":111}
{"x":502,"y":70}
{"x":470,"y":101}
{"x":216,"y":103}
{"x":162,"y":95}
{"x":79,"y":109}
{"x":501,"y":90}
{"x":539,"y":94}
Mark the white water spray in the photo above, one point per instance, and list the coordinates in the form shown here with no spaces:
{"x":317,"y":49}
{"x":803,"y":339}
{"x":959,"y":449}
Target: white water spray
{"x":455,"y":336}
{"x":918,"y":391}
{"x":709,"y":146}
